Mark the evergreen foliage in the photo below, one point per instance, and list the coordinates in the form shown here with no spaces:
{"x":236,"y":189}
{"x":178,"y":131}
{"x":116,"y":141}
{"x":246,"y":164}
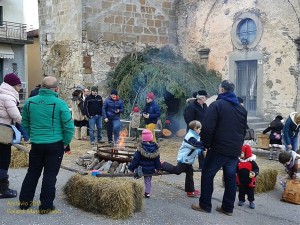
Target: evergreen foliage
{"x":162,"y":72}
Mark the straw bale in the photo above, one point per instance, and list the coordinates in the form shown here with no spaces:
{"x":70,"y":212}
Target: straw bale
{"x":266,"y":180}
{"x":18,"y":158}
{"x":117,"y":198}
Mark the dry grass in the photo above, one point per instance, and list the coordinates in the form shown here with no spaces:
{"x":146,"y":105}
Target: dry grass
{"x":18,"y":159}
{"x":117,"y":198}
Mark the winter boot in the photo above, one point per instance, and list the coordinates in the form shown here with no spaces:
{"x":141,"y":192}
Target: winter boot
{"x":5,"y":192}
{"x":77,"y":133}
{"x":83,"y":133}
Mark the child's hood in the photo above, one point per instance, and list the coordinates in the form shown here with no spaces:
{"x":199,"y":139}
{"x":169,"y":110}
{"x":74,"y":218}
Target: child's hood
{"x":149,"y":149}
{"x":247,"y":151}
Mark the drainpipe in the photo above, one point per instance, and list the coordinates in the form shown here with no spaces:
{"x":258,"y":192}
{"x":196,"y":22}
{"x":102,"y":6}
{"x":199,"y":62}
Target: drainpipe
{"x":297,"y":42}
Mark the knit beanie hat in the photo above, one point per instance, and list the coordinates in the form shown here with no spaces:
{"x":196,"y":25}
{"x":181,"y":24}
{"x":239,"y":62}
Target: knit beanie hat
{"x":136,"y":109}
{"x":147,"y":135}
{"x":151,"y":96}
{"x":94,"y":88}
{"x":12,"y":79}
{"x":114,"y":92}
{"x":247,"y":151}
{"x":201,"y":93}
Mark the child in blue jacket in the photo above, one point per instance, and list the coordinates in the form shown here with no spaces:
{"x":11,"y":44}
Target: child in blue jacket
{"x":147,"y":159}
{"x":189,"y":149}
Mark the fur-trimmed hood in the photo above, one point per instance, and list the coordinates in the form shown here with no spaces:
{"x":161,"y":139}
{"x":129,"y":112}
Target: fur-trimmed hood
{"x":148,"y":149}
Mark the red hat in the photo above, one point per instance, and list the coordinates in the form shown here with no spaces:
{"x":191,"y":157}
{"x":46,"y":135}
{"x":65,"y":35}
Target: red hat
{"x":12,"y":79}
{"x":147,"y":135}
{"x":136,"y":109}
{"x":151,"y":96}
{"x":247,"y":151}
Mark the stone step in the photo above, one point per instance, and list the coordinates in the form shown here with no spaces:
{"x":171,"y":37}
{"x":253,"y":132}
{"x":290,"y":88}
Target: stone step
{"x":259,"y":125}
{"x":254,"y":119}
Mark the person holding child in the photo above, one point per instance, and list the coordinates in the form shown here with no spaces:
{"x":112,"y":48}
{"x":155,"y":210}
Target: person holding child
{"x":275,"y":127}
{"x":247,"y":170}
{"x":147,"y":158}
{"x":187,"y":153}
{"x":135,"y":116}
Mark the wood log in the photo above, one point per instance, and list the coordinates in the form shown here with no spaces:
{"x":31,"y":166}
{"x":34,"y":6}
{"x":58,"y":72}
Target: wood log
{"x":131,"y":174}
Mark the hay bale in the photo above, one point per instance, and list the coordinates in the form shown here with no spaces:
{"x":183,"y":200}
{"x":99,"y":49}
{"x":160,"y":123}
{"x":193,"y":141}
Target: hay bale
{"x":117,"y":198}
{"x":266,"y":180}
{"x":18,"y":159}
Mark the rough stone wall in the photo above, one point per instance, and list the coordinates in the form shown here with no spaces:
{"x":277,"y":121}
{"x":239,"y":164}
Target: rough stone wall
{"x":83,"y":40}
{"x":61,"y":42}
{"x":208,"y":24}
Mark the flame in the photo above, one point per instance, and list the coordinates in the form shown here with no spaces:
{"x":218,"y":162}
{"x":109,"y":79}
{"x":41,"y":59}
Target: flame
{"x":123,"y":134}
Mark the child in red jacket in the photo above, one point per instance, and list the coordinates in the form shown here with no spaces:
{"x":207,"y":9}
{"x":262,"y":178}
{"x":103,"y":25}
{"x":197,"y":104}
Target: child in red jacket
{"x":247,"y":170}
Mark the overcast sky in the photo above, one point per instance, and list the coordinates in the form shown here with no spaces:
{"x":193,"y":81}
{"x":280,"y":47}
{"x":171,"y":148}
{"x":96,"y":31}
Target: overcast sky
{"x":31,"y":13}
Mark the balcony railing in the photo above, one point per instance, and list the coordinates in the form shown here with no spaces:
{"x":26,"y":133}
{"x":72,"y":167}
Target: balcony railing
{"x":14,"y":31}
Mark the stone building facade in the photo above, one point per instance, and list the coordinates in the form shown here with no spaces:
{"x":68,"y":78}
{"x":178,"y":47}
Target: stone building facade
{"x":251,"y":42}
{"x":82,"y":41}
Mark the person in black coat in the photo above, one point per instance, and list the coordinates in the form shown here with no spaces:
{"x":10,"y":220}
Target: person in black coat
{"x":275,"y":127}
{"x":35,"y":91}
{"x":196,"y":110}
{"x":223,"y":132}
{"x":93,"y":110}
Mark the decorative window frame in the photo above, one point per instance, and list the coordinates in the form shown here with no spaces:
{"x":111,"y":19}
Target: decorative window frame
{"x":259,"y":30}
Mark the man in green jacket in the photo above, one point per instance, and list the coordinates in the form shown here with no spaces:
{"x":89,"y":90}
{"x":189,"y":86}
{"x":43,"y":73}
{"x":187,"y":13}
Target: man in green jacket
{"x":47,"y":120}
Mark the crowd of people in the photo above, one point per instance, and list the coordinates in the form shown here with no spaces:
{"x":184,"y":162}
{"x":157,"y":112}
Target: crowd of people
{"x":50,"y":126}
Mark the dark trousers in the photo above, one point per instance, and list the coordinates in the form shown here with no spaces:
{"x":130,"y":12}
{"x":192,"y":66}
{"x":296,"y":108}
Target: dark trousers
{"x":180,"y":168}
{"x":5,"y":156}
{"x":47,"y":157}
{"x":245,"y":190}
{"x":213,"y":162}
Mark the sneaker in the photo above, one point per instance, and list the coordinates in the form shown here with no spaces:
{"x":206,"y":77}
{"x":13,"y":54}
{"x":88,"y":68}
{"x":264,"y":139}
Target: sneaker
{"x":92,"y":143}
{"x":241,"y":203}
{"x":270,"y":157}
{"x":195,"y":193}
{"x":221,"y":210}
{"x":100,"y":142}
{"x":147,"y":195}
{"x":251,"y":205}
{"x":9,"y":193}
{"x":198,"y":208}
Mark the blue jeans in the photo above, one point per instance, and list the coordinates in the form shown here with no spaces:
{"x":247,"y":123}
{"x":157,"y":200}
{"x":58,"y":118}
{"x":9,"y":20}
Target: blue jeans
{"x":213,"y":162}
{"x":294,"y":143}
{"x":95,"y":121}
{"x":113,"y":126}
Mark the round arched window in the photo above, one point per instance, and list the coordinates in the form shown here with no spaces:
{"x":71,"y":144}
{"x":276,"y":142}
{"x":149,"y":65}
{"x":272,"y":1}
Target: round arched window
{"x":246,"y":31}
